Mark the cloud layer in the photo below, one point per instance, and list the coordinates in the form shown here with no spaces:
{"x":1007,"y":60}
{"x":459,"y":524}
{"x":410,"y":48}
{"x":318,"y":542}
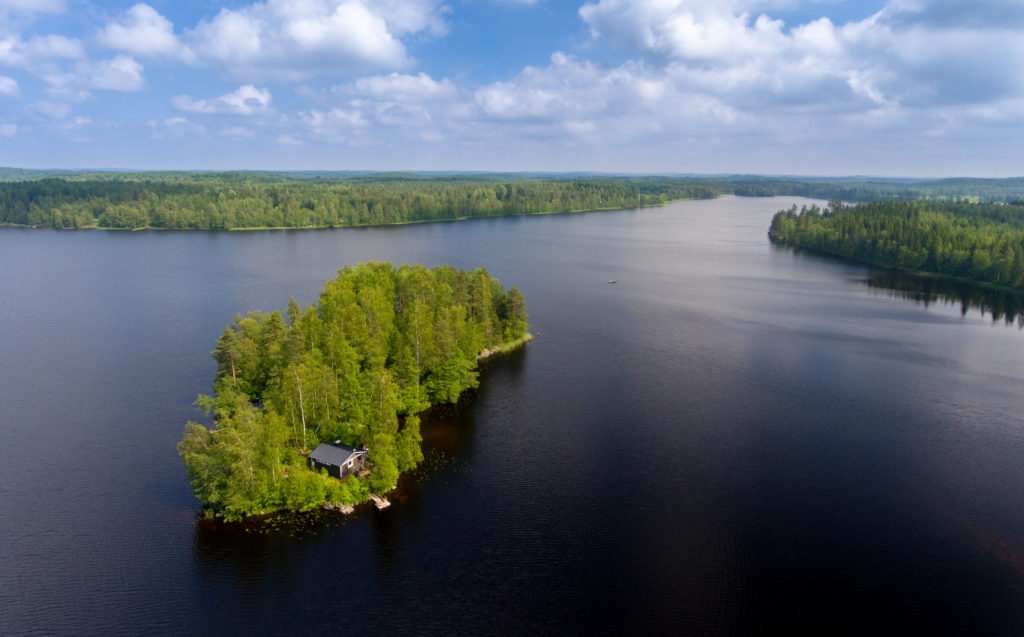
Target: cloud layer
{"x":686,"y":80}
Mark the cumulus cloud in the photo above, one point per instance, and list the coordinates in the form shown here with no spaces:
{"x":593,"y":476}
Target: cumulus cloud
{"x":686,"y":29}
{"x":912,"y":52}
{"x":576,"y":97}
{"x":398,"y":86}
{"x":120,"y":73}
{"x":143,"y":31}
{"x":8,"y":86}
{"x":38,"y":50}
{"x":282,"y":39}
{"x":335,"y":124}
{"x":411,"y":104}
{"x":246,"y":100}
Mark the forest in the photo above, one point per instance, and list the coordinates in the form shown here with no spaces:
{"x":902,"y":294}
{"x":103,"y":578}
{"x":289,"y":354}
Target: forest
{"x":224,"y":201}
{"x":982,"y":242}
{"x":380,"y":345}
{"x":876,"y":189}
{"x":196,"y":200}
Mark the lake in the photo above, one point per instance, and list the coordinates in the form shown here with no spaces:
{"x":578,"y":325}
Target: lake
{"x":734,"y":438}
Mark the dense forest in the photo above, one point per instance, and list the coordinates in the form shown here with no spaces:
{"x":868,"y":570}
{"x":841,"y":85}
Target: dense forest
{"x":382,"y":344}
{"x":866,"y":190}
{"x":308,"y":200}
{"x":983,"y":242}
{"x":253,"y":199}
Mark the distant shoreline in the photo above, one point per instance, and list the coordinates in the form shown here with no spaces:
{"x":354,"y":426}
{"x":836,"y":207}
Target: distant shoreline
{"x":361,"y":225}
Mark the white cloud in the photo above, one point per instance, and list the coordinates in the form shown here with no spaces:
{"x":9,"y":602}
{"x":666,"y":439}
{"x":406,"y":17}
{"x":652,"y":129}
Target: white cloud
{"x":284,"y":39}
{"x":912,"y":52}
{"x":577,"y":97}
{"x":246,"y":100}
{"x":330,"y":122}
{"x":120,"y":73}
{"x":143,"y":31}
{"x":8,"y":130}
{"x":397,"y":86}
{"x":38,"y":51}
{"x":8,"y":86}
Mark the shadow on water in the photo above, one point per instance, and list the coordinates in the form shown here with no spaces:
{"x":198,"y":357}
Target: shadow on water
{"x":1001,"y":305}
{"x":254,"y":547}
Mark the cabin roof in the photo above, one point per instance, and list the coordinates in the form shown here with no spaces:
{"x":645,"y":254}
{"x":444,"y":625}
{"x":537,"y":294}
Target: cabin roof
{"x":333,"y":453}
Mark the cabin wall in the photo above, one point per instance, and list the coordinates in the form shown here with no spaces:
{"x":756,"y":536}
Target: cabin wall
{"x":341,"y":472}
{"x":332,"y":470}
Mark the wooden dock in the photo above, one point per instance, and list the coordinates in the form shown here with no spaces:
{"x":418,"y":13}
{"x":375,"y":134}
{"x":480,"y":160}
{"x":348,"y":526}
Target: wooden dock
{"x":380,"y":502}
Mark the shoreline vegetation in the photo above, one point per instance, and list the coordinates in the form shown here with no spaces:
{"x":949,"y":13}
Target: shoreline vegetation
{"x":236,"y":204}
{"x":380,"y":346}
{"x":319,"y":200}
{"x":978,"y":243}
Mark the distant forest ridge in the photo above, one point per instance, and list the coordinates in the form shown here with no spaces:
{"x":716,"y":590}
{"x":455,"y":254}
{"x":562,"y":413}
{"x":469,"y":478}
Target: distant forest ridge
{"x":254,"y":199}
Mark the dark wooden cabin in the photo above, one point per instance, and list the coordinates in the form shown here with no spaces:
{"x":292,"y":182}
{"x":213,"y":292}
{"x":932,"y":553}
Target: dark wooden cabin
{"x":339,"y":460}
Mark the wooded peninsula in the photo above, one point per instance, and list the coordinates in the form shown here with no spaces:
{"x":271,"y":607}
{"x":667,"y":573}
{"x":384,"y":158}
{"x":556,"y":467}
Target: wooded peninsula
{"x":382,"y":344}
{"x":981,"y":242}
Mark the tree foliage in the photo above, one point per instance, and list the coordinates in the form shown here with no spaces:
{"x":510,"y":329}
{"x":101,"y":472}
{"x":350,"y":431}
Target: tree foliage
{"x":381,"y":343}
{"x":981,"y":242}
{"x":225,"y":201}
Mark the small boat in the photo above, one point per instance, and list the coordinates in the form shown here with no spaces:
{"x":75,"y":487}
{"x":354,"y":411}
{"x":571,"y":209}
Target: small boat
{"x":611,"y":281}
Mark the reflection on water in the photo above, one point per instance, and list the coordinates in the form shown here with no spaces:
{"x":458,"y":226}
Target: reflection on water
{"x":448,"y":433}
{"x":650,"y":463}
{"x":1001,"y":305}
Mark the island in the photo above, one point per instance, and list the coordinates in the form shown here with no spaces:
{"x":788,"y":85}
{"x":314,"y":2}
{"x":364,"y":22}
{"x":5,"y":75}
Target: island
{"x":352,"y":371}
{"x":982,"y":242}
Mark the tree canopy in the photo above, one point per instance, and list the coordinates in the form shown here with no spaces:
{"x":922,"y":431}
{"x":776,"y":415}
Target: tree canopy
{"x":381,"y":344}
{"x":242,"y":200}
{"x":982,"y":242}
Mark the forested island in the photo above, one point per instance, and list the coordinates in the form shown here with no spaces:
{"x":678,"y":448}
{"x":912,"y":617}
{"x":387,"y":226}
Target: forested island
{"x":191,"y":200}
{"x":982,"y":242}
{"x":380,"y":345}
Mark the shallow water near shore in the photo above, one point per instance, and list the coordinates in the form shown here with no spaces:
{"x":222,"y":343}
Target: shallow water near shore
{"x":734,"y":438}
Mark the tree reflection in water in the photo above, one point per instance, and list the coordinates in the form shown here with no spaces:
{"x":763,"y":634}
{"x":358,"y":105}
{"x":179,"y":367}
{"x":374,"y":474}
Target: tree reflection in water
{"x":1001,"y":305}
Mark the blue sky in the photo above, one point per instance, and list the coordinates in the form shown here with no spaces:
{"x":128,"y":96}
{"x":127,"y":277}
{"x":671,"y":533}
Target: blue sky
{"x":817,"y":87}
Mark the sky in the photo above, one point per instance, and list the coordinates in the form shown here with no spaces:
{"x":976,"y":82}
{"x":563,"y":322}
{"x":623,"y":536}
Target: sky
{"x":915,"y":88}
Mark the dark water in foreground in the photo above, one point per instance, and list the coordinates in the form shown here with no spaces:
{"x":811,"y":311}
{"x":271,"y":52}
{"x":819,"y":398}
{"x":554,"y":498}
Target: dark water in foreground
{"x":733,"y":439}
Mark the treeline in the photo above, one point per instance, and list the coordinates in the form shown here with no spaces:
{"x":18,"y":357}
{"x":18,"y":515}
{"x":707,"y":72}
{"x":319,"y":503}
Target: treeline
{"x":983,"y":242}
{"x":259,"y":200}
{"x":381,"y":343}
{"x":867,"y":190}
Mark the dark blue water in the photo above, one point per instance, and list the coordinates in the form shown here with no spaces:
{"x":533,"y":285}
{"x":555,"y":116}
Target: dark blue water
{"x":733,"y":439}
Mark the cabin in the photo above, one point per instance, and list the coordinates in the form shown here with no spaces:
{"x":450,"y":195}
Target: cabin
{"x":339,"y":460}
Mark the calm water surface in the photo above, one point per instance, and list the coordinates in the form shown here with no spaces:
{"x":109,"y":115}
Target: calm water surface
{"x":735,"y":438}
